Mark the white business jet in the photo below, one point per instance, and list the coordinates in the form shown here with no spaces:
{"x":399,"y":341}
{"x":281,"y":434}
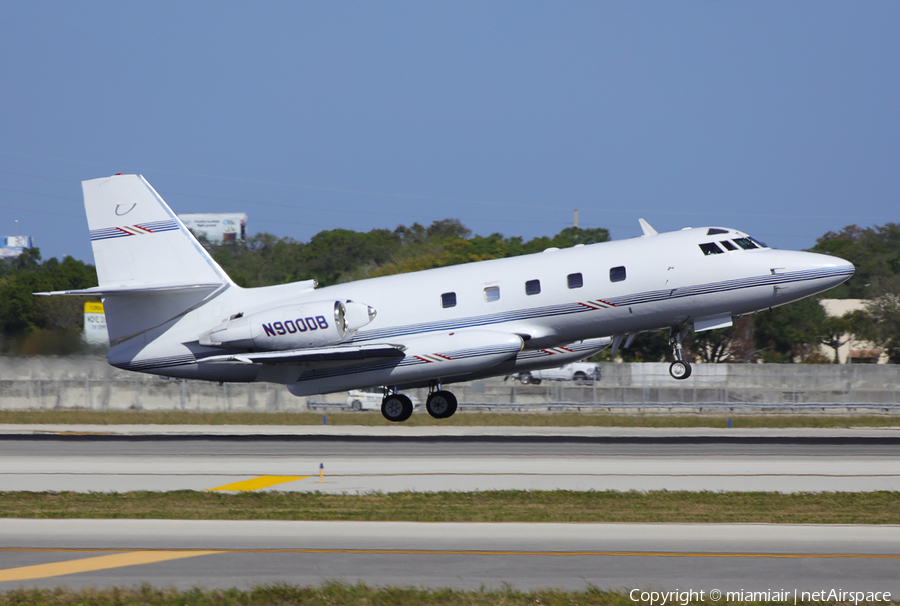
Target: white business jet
{"x":172,"y":311}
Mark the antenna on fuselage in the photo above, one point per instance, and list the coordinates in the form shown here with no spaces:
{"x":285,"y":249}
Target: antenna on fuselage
{"x":648,"y":231}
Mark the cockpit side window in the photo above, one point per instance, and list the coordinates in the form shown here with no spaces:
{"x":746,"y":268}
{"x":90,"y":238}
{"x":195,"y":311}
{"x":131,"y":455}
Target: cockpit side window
{"x":710,"y":248}
{"x":728,"y":245}
{"x":745,"y":243}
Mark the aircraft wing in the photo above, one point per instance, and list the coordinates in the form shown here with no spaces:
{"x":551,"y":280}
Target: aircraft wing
{"x":319,"y":354}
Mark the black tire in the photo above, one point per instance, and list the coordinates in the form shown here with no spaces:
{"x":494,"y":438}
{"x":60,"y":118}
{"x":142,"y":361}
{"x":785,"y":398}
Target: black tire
{"x":441,"y":404}
{"x":356,"y":405}
{"x":680,"y":370}
{"x":525,"y":378}
{"x":396,"y":408}
{"x":581,"y":378}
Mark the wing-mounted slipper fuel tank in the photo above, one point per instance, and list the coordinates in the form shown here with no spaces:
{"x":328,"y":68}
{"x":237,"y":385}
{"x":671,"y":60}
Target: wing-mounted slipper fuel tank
{"x":429,"y":356}
{"x":315,"y":324}
{"x":551,"y":357}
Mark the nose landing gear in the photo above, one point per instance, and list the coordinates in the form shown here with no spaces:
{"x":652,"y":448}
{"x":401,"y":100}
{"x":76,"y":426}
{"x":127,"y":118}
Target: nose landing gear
{"x":679,"y":369}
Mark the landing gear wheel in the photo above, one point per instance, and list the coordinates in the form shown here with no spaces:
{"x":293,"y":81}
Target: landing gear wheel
{"x":441,"y":404}
{"x":679,"y":369}
{"x":396,"y":407}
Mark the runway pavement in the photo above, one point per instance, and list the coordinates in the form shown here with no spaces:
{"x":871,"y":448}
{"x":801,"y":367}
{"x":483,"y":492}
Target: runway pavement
{"x":81,"y":553}
{"x":183,"y":554}
{"x":358,"y":460}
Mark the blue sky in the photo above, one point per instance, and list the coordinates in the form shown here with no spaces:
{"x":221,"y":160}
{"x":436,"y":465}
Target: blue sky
{"x":778,"y":118}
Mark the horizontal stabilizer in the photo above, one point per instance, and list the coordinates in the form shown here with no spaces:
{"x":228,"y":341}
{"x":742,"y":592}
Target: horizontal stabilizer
{"x":111,"y":291}
{"x":319,"y":354}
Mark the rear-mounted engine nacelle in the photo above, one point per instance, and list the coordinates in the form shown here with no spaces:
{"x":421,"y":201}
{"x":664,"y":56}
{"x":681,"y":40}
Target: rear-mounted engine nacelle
{"x":316,"y":324}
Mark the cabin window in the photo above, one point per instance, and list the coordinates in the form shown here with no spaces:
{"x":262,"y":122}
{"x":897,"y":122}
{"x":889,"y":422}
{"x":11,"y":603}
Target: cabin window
{"x":745,"y":243}
{"x":617,"y":274}
{"x":448,"y":299}
{"x":492,"y":293}
{"x":728,"y":245}
{"x":710,"y":248}
{"x":575,"y":280}
{"x":533,"y":287}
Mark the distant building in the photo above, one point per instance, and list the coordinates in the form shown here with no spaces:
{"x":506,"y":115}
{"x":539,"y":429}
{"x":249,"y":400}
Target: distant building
{"x":12,"y":246}
{"x":853,"y":351}
{"x":217,"y":227}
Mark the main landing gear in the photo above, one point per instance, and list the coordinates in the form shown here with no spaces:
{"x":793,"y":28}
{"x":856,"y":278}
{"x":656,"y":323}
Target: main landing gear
{"x":680,"y":368}
{"x":440,"y":404}
{"x":397,"y":407}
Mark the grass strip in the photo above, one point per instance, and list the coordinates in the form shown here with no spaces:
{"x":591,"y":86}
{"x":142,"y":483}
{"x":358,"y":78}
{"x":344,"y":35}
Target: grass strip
{"x":461,"y":419}
{"x":331,"y":593}
{"x":488,"y":506}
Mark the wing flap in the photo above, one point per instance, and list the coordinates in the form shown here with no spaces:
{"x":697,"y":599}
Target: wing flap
{"x":320,"y":354}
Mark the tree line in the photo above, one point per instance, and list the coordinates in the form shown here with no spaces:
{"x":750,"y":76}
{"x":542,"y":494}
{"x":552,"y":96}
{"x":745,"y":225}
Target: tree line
{"x":51,"y":325}
{"x":31,"y":325}
{"x":340,"y":255}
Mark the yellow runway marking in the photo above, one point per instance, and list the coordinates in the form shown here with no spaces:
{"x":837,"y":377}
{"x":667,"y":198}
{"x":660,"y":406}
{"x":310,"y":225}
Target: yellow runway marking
{"x":492,"y":552}
{"x":134,"y":558}
{"x":646,"y":554}
{"x":260,"y":482}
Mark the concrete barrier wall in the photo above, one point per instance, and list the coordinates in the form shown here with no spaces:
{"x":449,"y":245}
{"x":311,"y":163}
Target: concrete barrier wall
{"x":90,"y":383}
{"x":754,"y":383}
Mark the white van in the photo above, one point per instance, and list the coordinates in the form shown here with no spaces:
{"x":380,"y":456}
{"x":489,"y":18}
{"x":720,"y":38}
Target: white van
{"x":370,"y":399}
{"x":583,"y":373}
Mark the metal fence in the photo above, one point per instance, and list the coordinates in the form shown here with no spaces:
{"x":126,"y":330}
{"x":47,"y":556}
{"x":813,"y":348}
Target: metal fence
{"x":92,"y":384}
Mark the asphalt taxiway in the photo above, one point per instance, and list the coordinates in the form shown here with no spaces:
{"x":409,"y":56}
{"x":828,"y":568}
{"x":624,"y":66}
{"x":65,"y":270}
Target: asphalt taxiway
{"x":183,"y":554}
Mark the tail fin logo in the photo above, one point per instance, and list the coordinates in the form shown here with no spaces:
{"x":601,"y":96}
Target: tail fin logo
{"x":119,"y":209}
{"x":133,"y":230}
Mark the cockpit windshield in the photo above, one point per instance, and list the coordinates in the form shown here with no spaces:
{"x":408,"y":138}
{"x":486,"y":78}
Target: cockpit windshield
{"x":735,"y":244}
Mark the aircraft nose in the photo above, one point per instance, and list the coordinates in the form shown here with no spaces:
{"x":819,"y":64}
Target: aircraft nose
{"x":825,"y":270}
{"x":840,"y":269}
{"x":848,"y":268}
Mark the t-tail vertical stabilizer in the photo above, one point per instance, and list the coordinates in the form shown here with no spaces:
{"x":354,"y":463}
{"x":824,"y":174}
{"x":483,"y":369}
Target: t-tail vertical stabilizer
{"x":150,"y":268}
{"x":139,"y":242}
